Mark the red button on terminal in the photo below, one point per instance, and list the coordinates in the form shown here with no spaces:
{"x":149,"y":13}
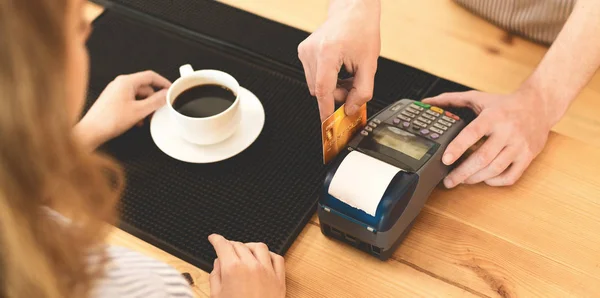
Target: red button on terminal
{"x":452,"y":116}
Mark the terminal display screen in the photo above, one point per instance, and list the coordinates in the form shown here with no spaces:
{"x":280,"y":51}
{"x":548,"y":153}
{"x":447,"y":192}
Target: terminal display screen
{"x":403,"y":141}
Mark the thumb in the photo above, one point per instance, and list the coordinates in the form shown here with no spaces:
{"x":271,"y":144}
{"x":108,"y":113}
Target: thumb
{"x":152,"y":103}
{"x":362,"y":89}
{"x":325,"y":84}
{"x":453,"y":99}
{"x":215,"y":277}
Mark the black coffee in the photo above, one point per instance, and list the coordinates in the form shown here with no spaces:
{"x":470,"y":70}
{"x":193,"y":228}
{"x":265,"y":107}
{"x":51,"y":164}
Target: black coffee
{"x":204,"y":101}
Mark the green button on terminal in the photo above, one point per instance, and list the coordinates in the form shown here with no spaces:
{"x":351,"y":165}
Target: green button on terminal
{"x":423,"y":105}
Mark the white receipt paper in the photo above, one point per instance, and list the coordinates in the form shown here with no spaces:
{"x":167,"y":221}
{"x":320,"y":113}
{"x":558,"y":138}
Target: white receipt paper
{"x":360,"y":181}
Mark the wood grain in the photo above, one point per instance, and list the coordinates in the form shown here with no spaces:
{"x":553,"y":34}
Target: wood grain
{"x":442,"y":38}
{"x":313,"y":266}
{"x":553,"y":210}
{"x":318,"y":267}
{"x":537,"y":238}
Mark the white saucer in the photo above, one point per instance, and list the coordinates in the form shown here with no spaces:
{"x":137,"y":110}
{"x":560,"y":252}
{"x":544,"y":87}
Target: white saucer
{"x":167,"y":139}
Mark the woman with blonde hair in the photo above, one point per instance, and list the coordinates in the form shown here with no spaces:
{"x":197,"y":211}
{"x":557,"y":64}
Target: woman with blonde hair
{"x":58,"y":197}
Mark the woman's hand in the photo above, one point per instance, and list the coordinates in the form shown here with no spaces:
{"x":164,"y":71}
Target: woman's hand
{"x":126,"y":101}
{"x":246,"y":270}
{"x":516,"y":127}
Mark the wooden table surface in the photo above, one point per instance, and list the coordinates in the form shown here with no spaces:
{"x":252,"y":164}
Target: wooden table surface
{"x":540,"y":237}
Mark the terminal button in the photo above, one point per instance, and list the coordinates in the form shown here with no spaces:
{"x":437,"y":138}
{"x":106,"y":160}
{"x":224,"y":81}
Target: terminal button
{"x":437,"y":130}
{"x":427,"y":116}
{"x":377,"y":121}
{"x":364,"y":133}
{"x":446,"y":118}
{"x":442,"y":127}
{"x":416,"y":107}
{"x":437,"y":110}
{"x":452,"y":116}
{"x":444,"y":123}
{"x":424,"y":120}
{"x":411,"y":115}
{"x":405,"y":124}
{"x":409,"y":109}
{"x":396,"y":121}
{"x":432,"y":113}
{"x":369,"y":129}
{"x":434,"y":136}
{"x":423,"y":105}
{"x":425,"y":131}
{"x":419,"y":123}
{"x":403,"y":118}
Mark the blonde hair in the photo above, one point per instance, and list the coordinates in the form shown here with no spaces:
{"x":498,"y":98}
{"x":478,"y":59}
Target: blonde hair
{"x":41,"y":165}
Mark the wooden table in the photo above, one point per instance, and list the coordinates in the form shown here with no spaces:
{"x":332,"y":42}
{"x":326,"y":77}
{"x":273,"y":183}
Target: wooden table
{"x":540,"y":237}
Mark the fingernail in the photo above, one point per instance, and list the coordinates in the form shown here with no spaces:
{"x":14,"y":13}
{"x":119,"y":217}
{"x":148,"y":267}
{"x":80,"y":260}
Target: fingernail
{"x":447,"y":159}
{"x":188,"y":278}
{"x":448,"y":182}
{"x":351,"y":109}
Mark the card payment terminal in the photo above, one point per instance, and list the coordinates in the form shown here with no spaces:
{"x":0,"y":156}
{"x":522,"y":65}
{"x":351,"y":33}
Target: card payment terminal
{"x":410,"y":136}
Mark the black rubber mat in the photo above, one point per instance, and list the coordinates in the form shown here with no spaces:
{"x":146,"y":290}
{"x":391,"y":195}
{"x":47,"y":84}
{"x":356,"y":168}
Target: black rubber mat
{"x":268,"y":192}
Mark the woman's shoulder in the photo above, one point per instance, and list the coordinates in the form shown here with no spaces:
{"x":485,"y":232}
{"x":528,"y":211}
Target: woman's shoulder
{"x":132,"y":274}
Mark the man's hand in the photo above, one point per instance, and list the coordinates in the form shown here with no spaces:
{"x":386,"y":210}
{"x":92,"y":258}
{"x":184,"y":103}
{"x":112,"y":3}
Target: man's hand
{"x":246,"y":270}
{"x":349,"y":37}
{"x":516,"y":127}
{"x":117,"y":109}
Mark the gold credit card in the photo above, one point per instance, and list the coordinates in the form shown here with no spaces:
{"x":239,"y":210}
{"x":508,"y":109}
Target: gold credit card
{"x":338,"y":130}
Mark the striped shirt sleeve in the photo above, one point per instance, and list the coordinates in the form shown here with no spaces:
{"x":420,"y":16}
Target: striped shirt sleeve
{"x":537,"y":20}
{"x":129,"y":274}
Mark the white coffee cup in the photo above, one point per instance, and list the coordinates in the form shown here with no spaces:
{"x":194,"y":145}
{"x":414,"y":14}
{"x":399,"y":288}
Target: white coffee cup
{"x":205,"y":130}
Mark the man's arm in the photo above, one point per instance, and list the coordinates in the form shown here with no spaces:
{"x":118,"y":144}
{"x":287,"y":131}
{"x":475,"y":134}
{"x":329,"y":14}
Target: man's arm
{"x":571,"y":61}
{"x":517,"y":125}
